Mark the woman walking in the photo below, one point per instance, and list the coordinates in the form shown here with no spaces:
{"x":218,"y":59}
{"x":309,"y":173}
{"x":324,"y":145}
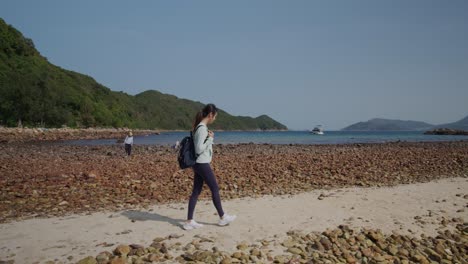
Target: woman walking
{"x":203,"y":142}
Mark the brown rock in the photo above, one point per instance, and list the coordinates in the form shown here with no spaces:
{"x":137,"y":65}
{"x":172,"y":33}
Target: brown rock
{"x":88,"y":260}
{"x":326,"y":243}
{"x":367,"y":252}
{"x":119,"y":260}
{"x":122,"y":250}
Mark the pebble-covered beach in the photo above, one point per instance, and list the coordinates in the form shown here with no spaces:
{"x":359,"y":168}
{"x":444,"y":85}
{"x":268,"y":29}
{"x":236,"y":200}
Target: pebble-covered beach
{"x":40,"y":180}
{"x":47,"y":180}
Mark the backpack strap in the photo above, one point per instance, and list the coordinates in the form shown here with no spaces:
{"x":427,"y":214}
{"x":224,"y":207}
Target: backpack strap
{"x":193,"y":133}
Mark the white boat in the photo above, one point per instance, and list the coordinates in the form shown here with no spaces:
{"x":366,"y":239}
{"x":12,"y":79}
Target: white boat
{"x":317,"y":130}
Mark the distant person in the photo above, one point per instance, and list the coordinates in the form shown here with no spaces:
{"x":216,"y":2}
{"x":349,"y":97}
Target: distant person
{"x":203,"y":143}
{"x":128,"y":143}
{"x":176,"y":145}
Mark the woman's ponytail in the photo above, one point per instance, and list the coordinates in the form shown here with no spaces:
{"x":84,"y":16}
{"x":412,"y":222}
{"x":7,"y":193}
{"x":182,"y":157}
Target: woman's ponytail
{"x":209,"y":108}
{"x":198,"y":119}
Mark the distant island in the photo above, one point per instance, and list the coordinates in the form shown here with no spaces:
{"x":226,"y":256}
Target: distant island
{"x":36,"y":93}
{"x":381,"y":124}
{"x":461,"y":124}
{"x":447,"y":131}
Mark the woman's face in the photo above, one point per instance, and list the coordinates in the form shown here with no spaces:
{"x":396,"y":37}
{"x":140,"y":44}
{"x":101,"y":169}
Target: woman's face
{"x":212,"y":118}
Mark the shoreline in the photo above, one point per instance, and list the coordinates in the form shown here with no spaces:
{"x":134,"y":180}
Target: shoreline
{"x":412,"y":212}
{"x":31,"y":135}
{"x":34,"y":135}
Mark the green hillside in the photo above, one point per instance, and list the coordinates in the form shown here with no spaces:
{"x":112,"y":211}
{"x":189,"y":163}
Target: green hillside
{"x":38,"y":93}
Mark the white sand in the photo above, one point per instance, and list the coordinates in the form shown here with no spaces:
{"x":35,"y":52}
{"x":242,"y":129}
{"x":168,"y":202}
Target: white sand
{"x":385,"y":208}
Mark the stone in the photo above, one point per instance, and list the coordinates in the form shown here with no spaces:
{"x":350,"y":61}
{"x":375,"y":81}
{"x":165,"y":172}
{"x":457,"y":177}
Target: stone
{"x":242,"y":246}
{"x":136,"y":246}
{"x":378,"y":257}
{"x":103,"y":257}
{"x":280,"y":259}
{"x":154,"y":257}
{"x":159,"y":239}
{"x":174,"y":236}
{"x":122,"y":250}
{"x":403,"y":252}
{"x":237,"y":255}
{"x":88,"y":260}
{"x":439,"y":248}
{"x":288,"y":243}
{"x":367,"y":252}
{"x":393,"y":250}
{"x":226,"y":260}
{"x":119,"y":260}
{"x":326,"y":243}
{"x":350,"y":259}
{"x":432,"y":254}
{"x":255,"y":252}
{"x":294,"y":250}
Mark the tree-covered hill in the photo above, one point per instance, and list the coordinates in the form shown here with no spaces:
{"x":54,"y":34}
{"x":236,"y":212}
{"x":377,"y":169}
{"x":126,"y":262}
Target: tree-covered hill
{"x":37,"y":93}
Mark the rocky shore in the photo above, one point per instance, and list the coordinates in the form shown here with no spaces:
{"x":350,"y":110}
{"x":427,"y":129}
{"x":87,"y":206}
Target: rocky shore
{"x":41,"y":180}
{"x":65,"y":184}
{"x":9,"y":135}
{"x":339,"y":245}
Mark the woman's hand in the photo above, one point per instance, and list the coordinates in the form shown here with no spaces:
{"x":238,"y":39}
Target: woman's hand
{"x":210,"y":134}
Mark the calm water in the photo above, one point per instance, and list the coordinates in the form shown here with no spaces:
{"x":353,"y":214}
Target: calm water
{"x":283,"y":137}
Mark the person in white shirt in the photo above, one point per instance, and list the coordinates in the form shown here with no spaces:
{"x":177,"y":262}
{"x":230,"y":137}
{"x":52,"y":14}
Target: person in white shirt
{"x":128,"y":143}
{"x":176,"y":145}
{"x":203,"y":144}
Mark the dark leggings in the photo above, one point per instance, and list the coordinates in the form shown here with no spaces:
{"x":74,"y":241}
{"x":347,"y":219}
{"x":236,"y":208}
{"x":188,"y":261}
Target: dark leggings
{"x":128,"y":149}
{"x":204,"y":173}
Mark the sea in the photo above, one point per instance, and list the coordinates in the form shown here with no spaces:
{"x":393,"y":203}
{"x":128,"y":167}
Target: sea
{"x":282,"y":137}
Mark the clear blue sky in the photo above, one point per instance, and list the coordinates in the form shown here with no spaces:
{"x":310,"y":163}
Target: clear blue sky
{"x":301,"y":62}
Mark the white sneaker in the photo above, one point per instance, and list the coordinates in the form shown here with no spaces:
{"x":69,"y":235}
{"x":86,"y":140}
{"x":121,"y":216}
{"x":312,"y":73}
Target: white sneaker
{"x":191,"y":225}
{"x":226,"y":220}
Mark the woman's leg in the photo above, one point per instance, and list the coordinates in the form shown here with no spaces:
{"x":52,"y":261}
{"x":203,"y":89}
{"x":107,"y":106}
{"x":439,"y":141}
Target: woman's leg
{"x":197,"y":188}
{"x":204,"y":169}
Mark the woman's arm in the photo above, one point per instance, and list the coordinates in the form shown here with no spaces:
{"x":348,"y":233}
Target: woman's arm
{"x":199,"y":140}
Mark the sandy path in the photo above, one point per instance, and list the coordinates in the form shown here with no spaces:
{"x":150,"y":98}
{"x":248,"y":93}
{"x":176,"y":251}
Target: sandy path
{"x":389,"y":208}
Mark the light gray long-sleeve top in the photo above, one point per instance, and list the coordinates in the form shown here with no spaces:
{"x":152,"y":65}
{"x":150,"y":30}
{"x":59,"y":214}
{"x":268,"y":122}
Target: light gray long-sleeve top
{"x":203,"y":144}
{"x":128,"y":140}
